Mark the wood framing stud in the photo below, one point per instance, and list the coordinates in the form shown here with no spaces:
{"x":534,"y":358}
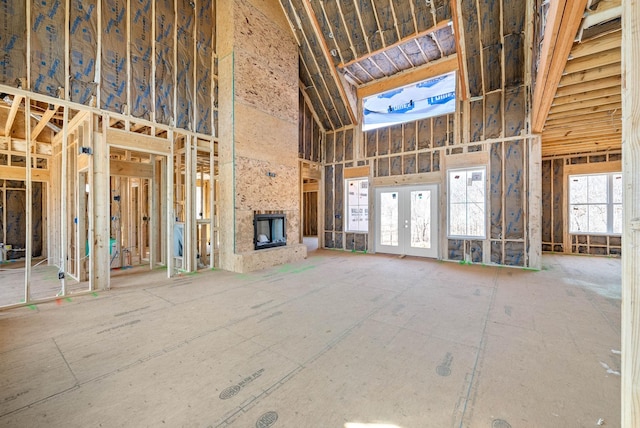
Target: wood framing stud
{"x":15,"y":105}
{"x":631,"y":208}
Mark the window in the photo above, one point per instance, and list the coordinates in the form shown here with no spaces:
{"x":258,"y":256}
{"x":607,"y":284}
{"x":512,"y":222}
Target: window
{"x":432,"y":97}
{"x":595,"y":203}
{"x":466,"y":193}
{"x":357,"y":204}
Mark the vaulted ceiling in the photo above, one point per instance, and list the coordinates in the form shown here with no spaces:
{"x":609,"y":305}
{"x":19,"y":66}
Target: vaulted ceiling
{"x":359,"y":47}
{"x":585,"y":106}
{"x":352,"y":43}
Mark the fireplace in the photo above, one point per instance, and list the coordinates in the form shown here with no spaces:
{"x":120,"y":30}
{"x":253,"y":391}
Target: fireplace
{"x":269,"y":231}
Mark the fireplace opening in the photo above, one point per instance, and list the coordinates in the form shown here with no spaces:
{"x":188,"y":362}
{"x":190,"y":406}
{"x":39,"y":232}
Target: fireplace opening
{"x":269,"y":231}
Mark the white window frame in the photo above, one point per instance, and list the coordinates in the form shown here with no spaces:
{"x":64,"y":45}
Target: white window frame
{"x":347,"y":181}
{"x":610,"y":203}
{"x":484,"y":202}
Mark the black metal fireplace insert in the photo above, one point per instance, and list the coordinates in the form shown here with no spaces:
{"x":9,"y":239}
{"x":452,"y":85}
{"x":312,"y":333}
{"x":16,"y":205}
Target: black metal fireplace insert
{"x":269,"y":230}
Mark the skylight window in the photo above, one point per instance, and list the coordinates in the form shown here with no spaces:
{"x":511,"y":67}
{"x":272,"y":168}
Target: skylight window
{"x":432,"y":97}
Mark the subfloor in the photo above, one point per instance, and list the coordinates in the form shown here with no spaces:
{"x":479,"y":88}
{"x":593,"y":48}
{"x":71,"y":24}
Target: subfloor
{"x":338,"y":340}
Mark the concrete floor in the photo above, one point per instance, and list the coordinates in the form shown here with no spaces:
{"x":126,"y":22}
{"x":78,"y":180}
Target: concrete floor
{"x":338,"y":340}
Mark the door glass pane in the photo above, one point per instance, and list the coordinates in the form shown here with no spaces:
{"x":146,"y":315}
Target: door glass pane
{"x":458,"y":219}
{"x":421,"y":219}
{"x":389,"y":218}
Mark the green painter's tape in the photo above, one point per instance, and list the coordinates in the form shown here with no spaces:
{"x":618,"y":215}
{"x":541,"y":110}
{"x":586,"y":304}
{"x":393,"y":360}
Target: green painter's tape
{"x":302,"y":269}
{"x":33,"y":307}
{"x":68,"y":299}
{"x":285,"y":268}
{"x":94,"y":294}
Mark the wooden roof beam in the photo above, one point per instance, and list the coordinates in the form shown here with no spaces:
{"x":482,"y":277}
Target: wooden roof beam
{"x":611,"y":107}
{"x":583,"y":132}
{"x":587,"y":95}
{"x":325,"y":51}
{"x":561,"y":148}
{"x":593,"y":85}
{"x":588,"y":75}
{"x":601,"y":44}
{"x":433,"y":29}
{"x":563,"y":21}
{"x":611,"y":117}
{"x":15,"y":105}
{"x":46,"y":117}
{"x":414,"y":75}
{"x":462,"y":72}
{"x":600,"y":138}
{"x":307,"y":100}
{"x":612,"y":56}
{"x":596,"y":102}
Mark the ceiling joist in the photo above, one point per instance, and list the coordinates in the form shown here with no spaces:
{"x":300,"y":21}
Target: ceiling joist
{"x":325,"y":51}
{"x":46,"y":117}
{"x":563,"y":21}
{"x":15,"y":105}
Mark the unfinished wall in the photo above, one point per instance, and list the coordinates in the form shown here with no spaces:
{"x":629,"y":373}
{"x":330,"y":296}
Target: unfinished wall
{"x":495,"y":36}
{"x":401,"y":150}
{"x":259,"y":119}
{"x":309,"y":133}
{"x":555,"y":235}
{"x":339,"y":153}
{"x":119,"y":36}
{"x":13,"y":221}
{"x":490,"y":129}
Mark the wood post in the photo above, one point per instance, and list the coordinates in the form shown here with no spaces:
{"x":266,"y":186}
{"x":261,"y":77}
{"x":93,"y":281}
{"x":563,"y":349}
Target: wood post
{"x":28,"y":203}
{"x":631,"y":208}
{"x":101,"y":196}
{"x":63,"y":201}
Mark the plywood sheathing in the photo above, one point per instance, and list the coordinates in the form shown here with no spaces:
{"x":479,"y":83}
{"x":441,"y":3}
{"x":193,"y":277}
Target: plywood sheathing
{"x":259,"y":96}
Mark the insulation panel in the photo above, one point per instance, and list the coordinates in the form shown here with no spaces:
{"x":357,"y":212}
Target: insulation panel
{"x":113,"y":71}
{"x":13,"y":41}
{"x":141,"y":52}
{"x":83,"y":22}
{"x":48,"y":47}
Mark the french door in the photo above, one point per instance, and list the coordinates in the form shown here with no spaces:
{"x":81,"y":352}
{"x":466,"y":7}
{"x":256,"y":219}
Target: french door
{"x":406,"y":220}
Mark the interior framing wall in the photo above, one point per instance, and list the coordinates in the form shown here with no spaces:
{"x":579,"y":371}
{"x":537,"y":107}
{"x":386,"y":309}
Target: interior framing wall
{"x":98,"y":74}
{"x":555,"y":235}
{"x":151,"y":60}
